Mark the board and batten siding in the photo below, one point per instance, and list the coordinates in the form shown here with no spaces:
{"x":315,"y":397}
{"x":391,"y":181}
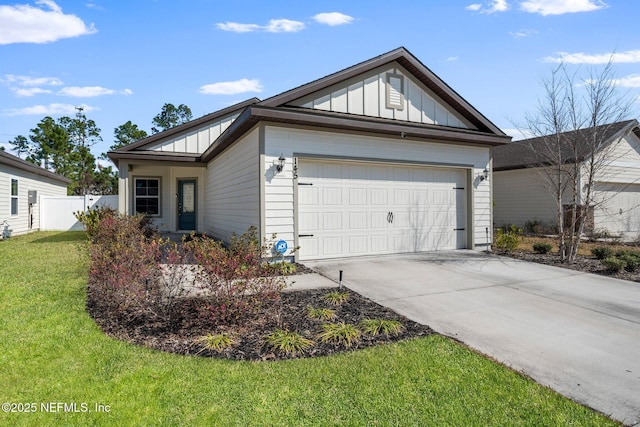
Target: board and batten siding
{"x":519,"y":196}
{"x":198,"y":140}
{"x":367,"y":95}
{"x":233,"y":189}
{"x":279,"y":187}
{"x":19,"y":224}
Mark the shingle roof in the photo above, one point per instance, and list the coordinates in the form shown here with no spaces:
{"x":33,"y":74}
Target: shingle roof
{"x":18,"y":163}
{"x":526,"y":153}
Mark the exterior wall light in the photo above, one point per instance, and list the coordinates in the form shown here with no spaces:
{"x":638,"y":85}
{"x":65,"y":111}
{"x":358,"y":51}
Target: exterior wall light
{"x":280,"y":165}
{"x":484,"y":175}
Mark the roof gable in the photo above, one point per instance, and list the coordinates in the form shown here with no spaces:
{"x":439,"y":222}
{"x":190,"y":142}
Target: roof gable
{"x":427,"y":98}
{"x":524,"y":153}
{"x":193,"y":137}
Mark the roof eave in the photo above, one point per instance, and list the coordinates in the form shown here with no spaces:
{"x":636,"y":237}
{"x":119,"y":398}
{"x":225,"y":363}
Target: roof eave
{"x":254,"y":114}
{"x":18,"y":163}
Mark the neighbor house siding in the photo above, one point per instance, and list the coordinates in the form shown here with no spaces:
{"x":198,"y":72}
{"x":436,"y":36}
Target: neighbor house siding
{"x":233,"y":189}
{"x":366,"y":95}
{"x":279,"y":188}
{"x":520,"y":195}
{"x":621,"y":162}
{"x":26,"y":181}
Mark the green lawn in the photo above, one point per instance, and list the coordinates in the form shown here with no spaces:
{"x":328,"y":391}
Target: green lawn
{"x":51,"y":351}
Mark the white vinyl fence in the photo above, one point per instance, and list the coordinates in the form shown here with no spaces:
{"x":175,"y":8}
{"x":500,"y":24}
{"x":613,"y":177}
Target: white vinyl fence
{"x":56,"y":212}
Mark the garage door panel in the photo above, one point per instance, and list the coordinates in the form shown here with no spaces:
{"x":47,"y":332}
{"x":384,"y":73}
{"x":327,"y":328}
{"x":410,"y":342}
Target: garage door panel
{"x":396,"y":209}
{"x":357,"y":196}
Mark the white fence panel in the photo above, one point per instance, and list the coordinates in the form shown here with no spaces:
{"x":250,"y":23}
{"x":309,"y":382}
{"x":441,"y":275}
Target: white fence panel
{"x":56,"y":213}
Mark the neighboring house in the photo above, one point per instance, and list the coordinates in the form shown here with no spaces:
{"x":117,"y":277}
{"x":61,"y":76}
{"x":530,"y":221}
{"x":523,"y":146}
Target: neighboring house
{"x":521,"y":192}
{"x":22,"y":184}
{"x":382,"y":157}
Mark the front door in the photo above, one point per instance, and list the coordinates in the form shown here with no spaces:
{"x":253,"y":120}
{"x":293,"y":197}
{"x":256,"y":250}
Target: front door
{"x":187,"y":204}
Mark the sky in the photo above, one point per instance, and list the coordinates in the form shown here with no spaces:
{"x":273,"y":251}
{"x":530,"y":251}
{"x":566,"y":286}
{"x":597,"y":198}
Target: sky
{"x":123,"y":60}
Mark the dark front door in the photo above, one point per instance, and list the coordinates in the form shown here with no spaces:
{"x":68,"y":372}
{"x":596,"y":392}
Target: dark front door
{"x":187,"y":204}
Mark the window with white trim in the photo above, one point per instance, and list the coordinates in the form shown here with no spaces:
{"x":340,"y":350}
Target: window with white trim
{"x":14,"y":197}
{"x":147,"y":196}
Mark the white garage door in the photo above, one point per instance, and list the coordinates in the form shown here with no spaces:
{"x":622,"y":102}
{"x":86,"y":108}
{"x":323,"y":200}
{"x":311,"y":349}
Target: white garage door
{"x":356,"y":208}
{"x":618,"y":207}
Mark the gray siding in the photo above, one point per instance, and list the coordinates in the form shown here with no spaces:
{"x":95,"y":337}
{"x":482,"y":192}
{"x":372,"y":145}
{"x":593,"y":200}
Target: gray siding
{"x":233,"y":189}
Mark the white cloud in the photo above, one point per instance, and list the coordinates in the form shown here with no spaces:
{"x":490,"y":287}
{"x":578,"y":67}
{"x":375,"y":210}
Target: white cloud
{"x":24,"y":23}
{"x":284,"y":26}
{"x":522,"y":33}
{"x":91,"y":91}
{"x":452,"y":58}
{"x":237,"y":28}
{"x":491,"y":6}
{"x":630,"y":81}
{"x":54,"y":109}
{"x":630,"y":56}
{"x":29,"y":91}
{"x":232,"y":88}
{"x":274,"y":26}
{"x":559,"y":7}
{"x":333,"y":18}
{"x":30,"y":81}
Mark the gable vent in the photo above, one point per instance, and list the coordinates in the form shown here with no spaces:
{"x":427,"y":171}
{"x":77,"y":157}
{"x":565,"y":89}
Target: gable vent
{"x":395,"y":91}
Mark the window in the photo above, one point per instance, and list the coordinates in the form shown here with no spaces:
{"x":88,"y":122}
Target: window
{"x":147,"y":196}
{"x":395,"y":91}
{"x":14,"y":197}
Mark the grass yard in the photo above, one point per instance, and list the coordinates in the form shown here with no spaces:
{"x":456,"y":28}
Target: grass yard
{"x":51,"y":352}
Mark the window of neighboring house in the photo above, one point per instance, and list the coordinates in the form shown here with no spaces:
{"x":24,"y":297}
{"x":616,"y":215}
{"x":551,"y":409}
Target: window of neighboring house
{"x":14,"y":197}
{"x":147,"y":196}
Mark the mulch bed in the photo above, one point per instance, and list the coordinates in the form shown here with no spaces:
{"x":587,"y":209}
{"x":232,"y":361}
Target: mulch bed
{"x":582,"y":263}
{"x":291,"y":314}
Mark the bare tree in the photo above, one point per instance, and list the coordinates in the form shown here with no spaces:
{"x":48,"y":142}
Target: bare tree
{"x":572,"y":128}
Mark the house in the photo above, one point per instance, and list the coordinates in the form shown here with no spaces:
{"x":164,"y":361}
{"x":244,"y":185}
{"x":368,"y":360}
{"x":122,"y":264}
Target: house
{"x":22,"y":184}
{"x":521,"y":192}
{"x":382,"y":157}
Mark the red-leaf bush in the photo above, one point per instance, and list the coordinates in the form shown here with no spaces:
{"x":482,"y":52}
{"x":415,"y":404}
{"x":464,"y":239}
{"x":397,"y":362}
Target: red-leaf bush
{"x":237,"y":280}
{"x":124,"y":270}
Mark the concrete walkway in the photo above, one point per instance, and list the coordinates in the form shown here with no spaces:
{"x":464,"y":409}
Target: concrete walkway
{"x":577,"y":333}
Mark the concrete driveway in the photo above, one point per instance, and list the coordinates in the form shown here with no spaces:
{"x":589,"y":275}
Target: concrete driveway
{"x":577,"y":333}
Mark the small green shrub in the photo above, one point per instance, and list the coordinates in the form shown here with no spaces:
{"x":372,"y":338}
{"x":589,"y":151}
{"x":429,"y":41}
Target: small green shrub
{"x":507,"y":241}
{"x":217,"y":342}
{"x":340,"y":333}
{"x":614,"y":265}
{"x":533,"y":226}
{"x":381,"y":326}
{"x":321,"y":313}
{"x":284,"y":268}
{"x":288,"y":342}
{"x":542,"y":248}
{"x":336,"y":297}
{"x":631,"y":259}
{"x":92,"y":217}
{"x":601,"y":252}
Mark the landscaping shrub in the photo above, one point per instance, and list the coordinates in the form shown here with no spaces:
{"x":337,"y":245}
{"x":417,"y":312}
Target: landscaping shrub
{"x":614,"y":264}
{"x":507,"y":241}
{"x":91,"y":218}
{"x":381,"y":326}
{"x":336,"y":297}
{"x":601,"y":252}
{"x":237,"y":280}
{"x":340,"y":333}
{"x":288,"y":342}
{"x":542,"y":248}
{"x":123,"y":276}
{"x":533,"y":226}
{"x":217,"y":342}
{"x":630,"y":258}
